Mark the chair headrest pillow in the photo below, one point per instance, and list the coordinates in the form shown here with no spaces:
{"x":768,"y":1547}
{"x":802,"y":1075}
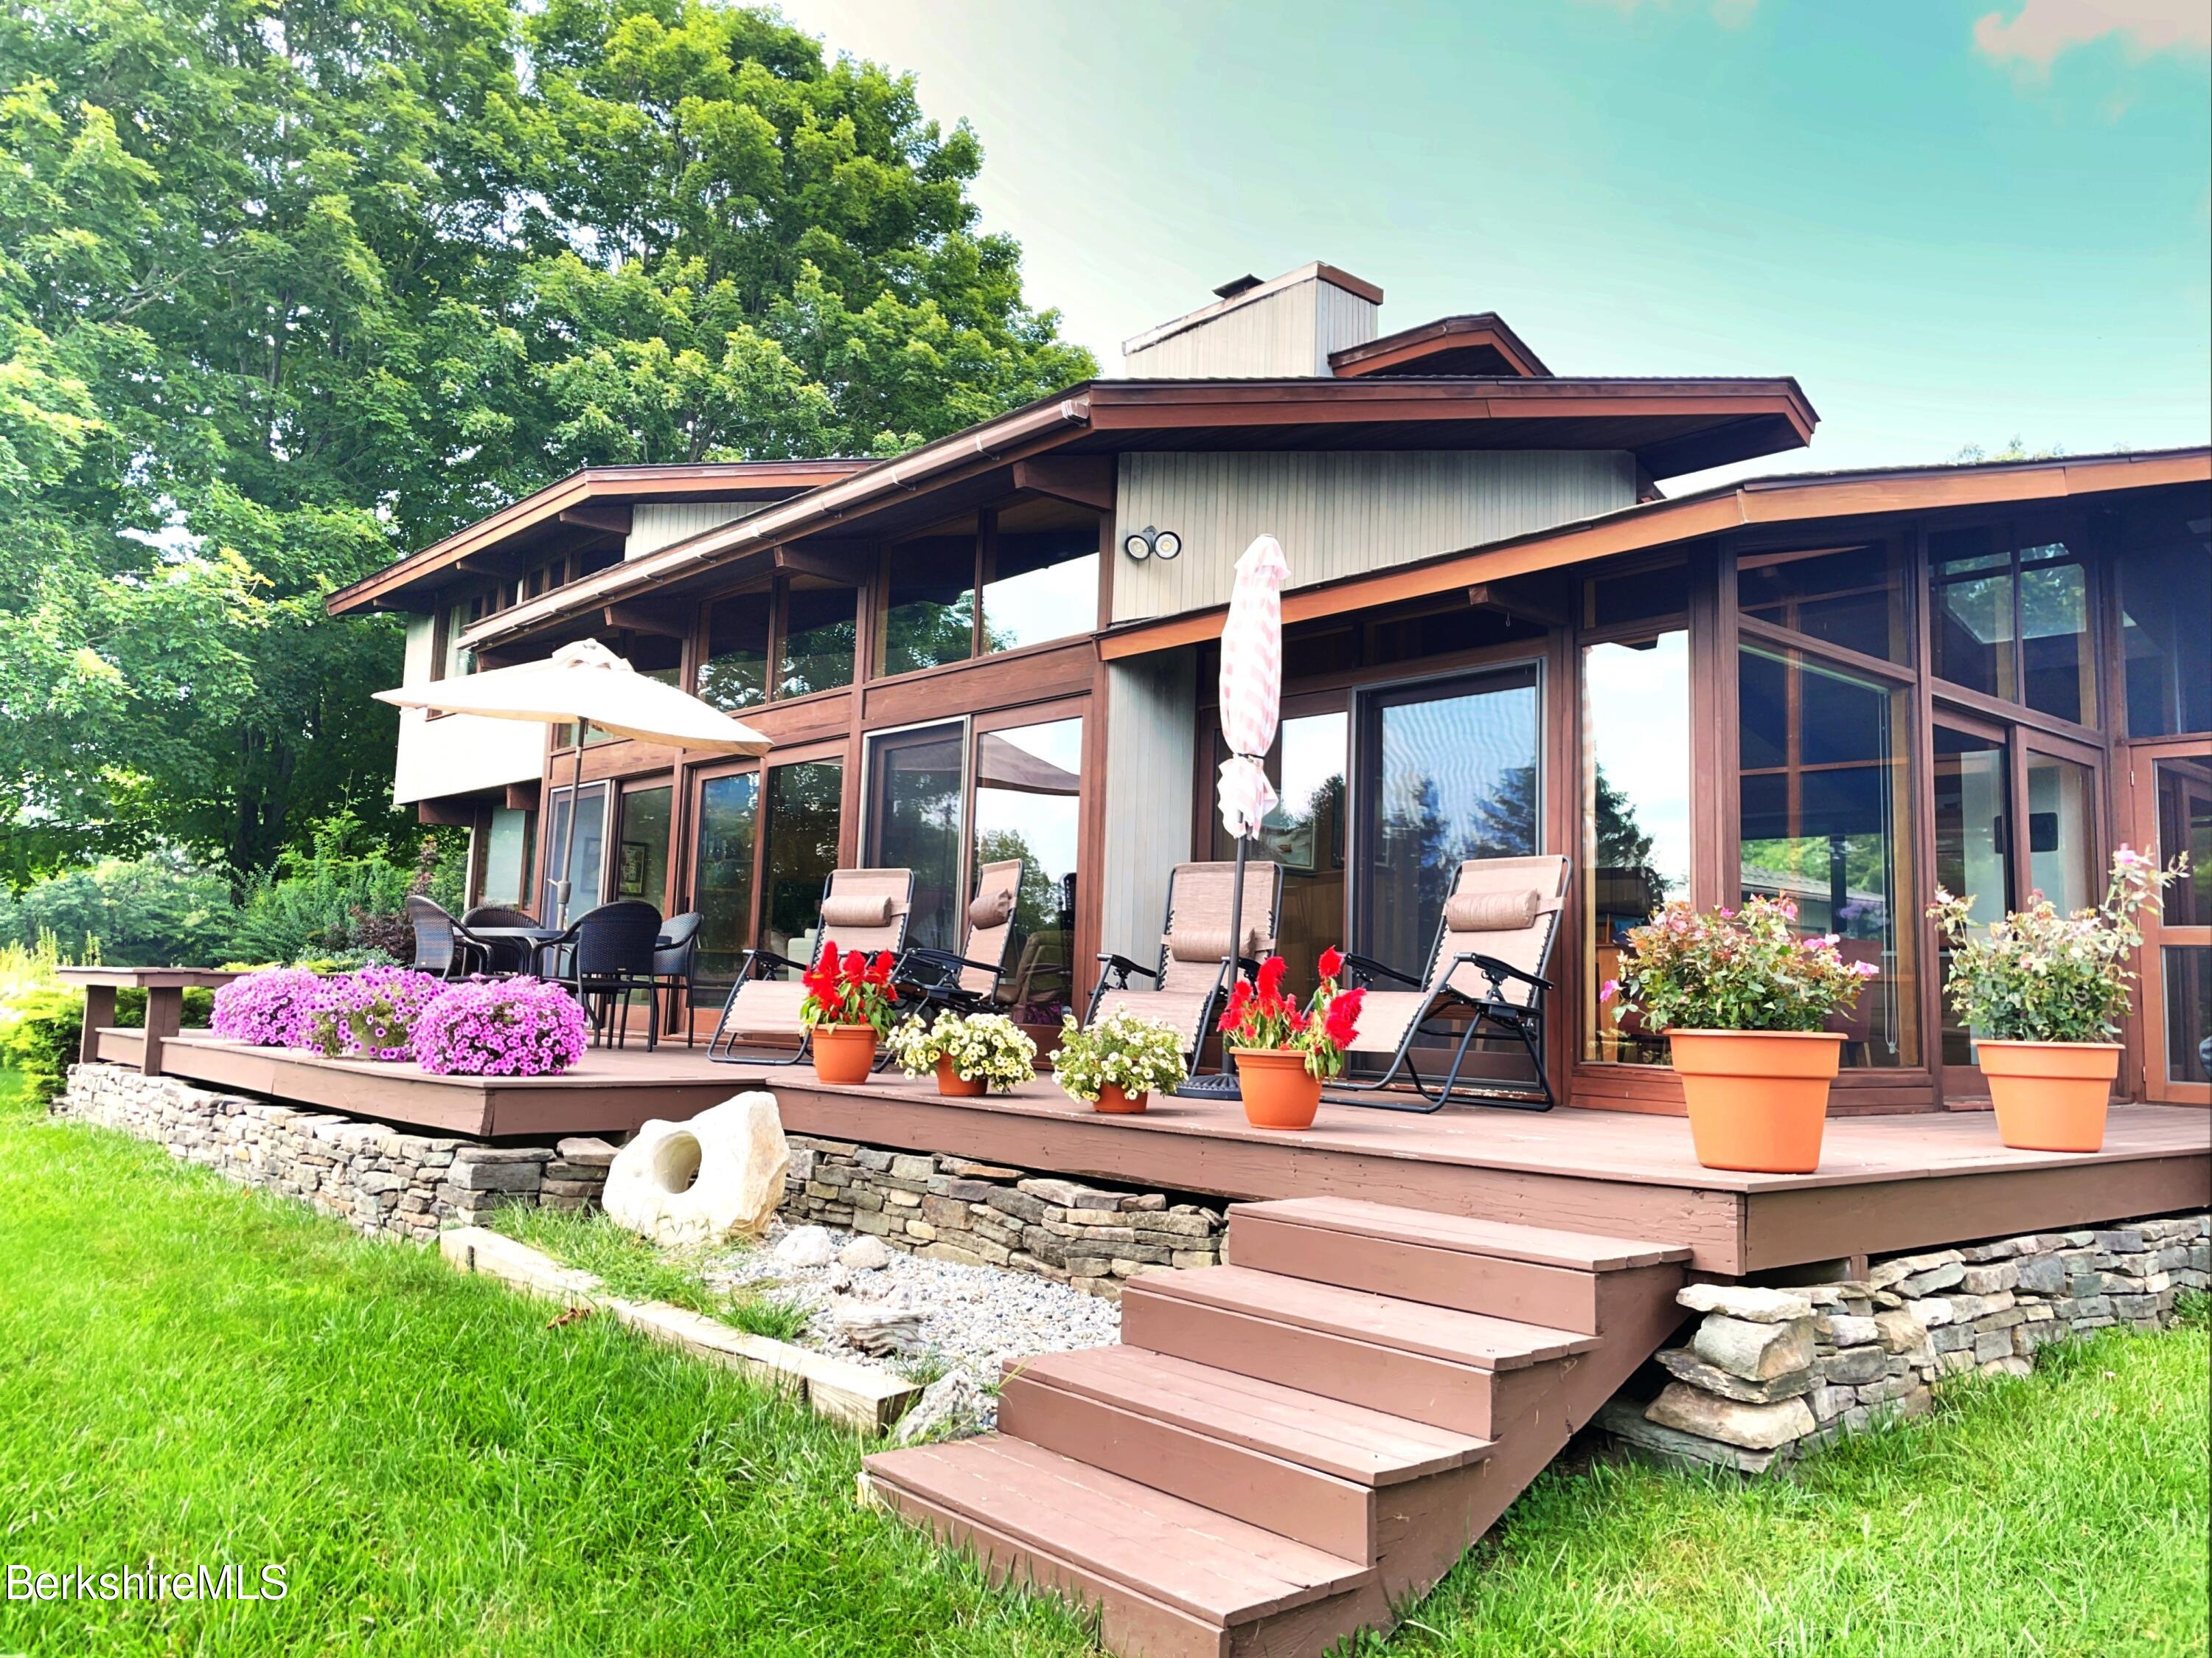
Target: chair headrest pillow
{"x":857,"y":909}
{"x":991,"y":909}
{"x":1492,"y":912}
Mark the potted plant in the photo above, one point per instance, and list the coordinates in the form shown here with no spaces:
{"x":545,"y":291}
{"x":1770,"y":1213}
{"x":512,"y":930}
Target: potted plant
{"x":501,"y":1027}
{"x":850,"y":1003}
{"x":1741,"y":998}
{"x":2043,"y":993}
{"x":971,"y":1053}
{"x":1286,"y":1053}
{"x":1116,"y":1065}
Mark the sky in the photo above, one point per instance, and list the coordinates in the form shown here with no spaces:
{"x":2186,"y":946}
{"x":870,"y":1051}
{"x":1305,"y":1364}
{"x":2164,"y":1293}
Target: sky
{"x":1955,"y":223}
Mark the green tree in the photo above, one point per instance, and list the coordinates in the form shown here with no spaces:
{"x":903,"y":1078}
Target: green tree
{"x":288,"y":287}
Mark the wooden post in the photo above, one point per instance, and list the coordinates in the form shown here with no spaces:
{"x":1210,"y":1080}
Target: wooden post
{"x":165,"y":1017}
{"x":98,"y":1010}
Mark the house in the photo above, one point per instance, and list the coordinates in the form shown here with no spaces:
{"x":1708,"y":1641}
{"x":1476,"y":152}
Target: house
{"x":1503,"y":633}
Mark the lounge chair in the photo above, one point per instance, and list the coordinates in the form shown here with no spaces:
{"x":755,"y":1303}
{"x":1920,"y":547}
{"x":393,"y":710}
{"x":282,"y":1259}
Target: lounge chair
{"x":863,"y":910}
{"x":1485,"y":976}
{"x":1195,"y":965}
{"x":969,"y":980}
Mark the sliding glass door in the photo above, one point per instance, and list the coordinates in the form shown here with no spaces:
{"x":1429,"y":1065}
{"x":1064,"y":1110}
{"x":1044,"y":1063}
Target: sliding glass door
{"x":916,"y":793}
{"x":1446,"y":771}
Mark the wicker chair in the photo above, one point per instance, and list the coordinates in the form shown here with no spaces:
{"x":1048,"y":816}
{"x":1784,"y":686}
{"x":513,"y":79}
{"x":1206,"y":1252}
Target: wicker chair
{"x":508,"y":956}
{"x":674,"y":953}
{"x":442,"y":945}
{"x":609,"y":953}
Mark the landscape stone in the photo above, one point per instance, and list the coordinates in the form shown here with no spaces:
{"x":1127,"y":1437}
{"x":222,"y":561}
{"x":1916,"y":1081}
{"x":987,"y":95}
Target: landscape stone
{"x":863,"y":1255}
{"x":1756,"y":1352}
{"x":1732,"y":1422}
{"x":715,"y":1176}
{"x":1744,"y":1301}
{"x":804,"y":1245}
{"x":1686,"y":1366}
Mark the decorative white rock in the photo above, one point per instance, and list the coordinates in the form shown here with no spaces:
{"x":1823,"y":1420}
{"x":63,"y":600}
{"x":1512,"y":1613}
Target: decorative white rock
{"x":865,"y":1254}
{"x":715,"y":1177}
{"x":804,"y":1245}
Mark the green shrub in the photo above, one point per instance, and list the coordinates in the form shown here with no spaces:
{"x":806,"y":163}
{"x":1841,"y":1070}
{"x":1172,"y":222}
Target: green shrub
{"x":158,"y":911}
{"x":39,"y":1015}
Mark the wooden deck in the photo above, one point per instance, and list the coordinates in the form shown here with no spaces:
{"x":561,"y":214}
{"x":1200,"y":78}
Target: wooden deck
{"x":1884,"y":1183}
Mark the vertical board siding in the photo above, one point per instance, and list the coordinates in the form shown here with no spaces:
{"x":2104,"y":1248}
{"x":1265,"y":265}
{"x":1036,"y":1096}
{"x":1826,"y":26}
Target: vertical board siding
{"x":1150,"y":726}
{"x":658,"y":524}
{"x":1286,"y":334}
{"x":1341,"y":515}
{"x":1340,"y":318}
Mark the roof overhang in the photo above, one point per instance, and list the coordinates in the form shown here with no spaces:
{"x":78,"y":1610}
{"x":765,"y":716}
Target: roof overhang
{"x":1480,"y":344}
{"x":1772,"y":502}
{"x":1670,"y":425}
{"x":591,"y":500}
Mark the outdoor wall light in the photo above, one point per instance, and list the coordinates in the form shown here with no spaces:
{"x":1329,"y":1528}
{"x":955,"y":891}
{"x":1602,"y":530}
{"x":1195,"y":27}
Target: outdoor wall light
{"x":1148,"y":541}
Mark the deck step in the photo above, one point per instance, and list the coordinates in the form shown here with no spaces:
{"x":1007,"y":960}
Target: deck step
{"x":1528,"y":1274}
{"x":1034,"y":1513}
{"x":1272,"y":1456}
{"x":1460,"y":1371}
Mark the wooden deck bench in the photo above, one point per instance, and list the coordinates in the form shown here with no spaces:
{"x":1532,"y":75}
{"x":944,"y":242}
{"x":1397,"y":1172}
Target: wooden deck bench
{"x":165,"y":988}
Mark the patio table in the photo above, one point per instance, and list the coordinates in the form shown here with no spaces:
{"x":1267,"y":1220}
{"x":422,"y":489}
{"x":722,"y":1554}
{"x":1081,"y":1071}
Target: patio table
{"x":533,"y":939}
{"x":165,"y":988}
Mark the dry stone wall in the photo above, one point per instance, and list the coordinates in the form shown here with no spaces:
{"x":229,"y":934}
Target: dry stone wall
{"x":1770,"y":1372}
{"x":383,"y":1179}
{"x":954,"y":1208}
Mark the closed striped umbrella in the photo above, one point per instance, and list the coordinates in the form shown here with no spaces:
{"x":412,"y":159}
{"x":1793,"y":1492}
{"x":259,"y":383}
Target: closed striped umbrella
{"x":1252,"y":685}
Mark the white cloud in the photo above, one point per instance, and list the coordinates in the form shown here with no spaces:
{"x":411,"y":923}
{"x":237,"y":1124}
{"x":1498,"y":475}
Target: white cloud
{"x":2034,"y":36}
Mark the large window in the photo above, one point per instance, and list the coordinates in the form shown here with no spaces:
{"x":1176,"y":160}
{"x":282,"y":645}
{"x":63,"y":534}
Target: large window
{"x":997,"y":581}
{"x":586,"y":849}
{"x":723,"y":878}
{"x":801,"y":829}
{"x":1635,"y":815}
{"x":806,"y":624}
{"x":1823,"y":795}
{"x":1852,"y":596}
{"x":1303,"y":834}
{"x":2166,"y":628}
{"x":2009,"y":617}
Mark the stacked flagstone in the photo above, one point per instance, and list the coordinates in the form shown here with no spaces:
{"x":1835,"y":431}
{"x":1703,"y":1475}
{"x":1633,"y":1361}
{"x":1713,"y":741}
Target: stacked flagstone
{"x":954,"y":1208}
{"x":1769,"y":1373}
{"x":383,"y":1179}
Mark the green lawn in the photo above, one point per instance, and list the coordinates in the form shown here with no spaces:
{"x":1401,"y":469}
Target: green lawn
{"x":194,"y":1374}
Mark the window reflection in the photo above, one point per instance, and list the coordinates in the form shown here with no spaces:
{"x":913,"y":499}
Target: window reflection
{"x":506,"y":858}
{"x":818,"y":630}
{"x":1974,"y":847}
{"x":930,"y":619}
{"x":722,"y":880}
{"x":2012,"y":622}
{"x":802,"y":818}
{"x":2165,"y":619}
{"x":915,"y":782}
{"x":1849,"y":596}
{"x":735,"y":674}
{"x":1823,"y":799}
{"x":587,"y":848}
{"x":1635,"y":815}
{"x":1043,"y":585}
{"x":1029,"y":783}
{"x":1304,"y":835}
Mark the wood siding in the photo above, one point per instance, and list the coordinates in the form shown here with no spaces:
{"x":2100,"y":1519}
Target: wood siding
{"x":1150,"y":726}
{"x":655,"y":525}
{"x":1339,"y":514}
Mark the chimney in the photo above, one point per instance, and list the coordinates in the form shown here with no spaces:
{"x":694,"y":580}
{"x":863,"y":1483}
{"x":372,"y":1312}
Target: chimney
{"x":1283,"y":329}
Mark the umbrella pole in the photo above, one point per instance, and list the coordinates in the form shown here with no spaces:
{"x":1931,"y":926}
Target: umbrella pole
{"x":569,"y":835}
{"x":1223,"y":1084}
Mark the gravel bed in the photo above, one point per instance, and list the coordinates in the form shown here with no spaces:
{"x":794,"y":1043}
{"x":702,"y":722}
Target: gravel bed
{"x":973,"y":1316}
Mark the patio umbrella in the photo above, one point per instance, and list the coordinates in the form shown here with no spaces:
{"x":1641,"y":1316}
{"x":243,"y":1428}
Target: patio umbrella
{"x":584,"y":684}
{"x":1251,"y":687}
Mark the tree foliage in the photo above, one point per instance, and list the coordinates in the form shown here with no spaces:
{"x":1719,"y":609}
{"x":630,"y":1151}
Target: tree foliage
{"x":287,"y":287}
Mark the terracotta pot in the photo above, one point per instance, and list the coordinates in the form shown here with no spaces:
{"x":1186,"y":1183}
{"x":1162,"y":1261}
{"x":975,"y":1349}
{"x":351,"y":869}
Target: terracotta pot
{"x":953,"y":1086}
{"x":1277,"y":1092}
{"x":844,"y":1054}
{"x":1757,"y":1099}
{"x":1114,"y":1101}
{"x":2049,"y":1096}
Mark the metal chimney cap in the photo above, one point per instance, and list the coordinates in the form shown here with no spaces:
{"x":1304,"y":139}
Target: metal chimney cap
{"x":1236,"y":285}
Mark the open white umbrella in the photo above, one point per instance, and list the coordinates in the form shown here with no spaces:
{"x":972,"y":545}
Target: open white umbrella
{"x":1251,"y":686}
{"x":586,"y":684}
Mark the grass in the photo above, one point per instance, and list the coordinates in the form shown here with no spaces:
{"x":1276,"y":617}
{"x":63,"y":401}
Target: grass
{"x":638,"y":1270}
{"x":194,"y":1373}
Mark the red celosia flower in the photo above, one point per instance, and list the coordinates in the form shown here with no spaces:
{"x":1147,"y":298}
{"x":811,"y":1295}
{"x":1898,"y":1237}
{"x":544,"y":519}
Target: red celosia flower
{"x":1271,"y":977}
{"x":856,"y":966}
{"x":1331,"y":963}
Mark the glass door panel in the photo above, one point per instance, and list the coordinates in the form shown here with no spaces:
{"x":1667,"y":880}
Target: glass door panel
{"x":2177,"y":981}
{"x":1974,"y":847}
{"x":1449,"y":773}
{"x":587,"y":859}
{"x":1635,"y":817}
{"x":1029,"y":786}
{"x":801,"y":823}
{"x":1303,"y":834}
{"x":915,"y":785}
{"x":722,"y":879}
{"x":2061,"y":832}
{"x":640,"y":866}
